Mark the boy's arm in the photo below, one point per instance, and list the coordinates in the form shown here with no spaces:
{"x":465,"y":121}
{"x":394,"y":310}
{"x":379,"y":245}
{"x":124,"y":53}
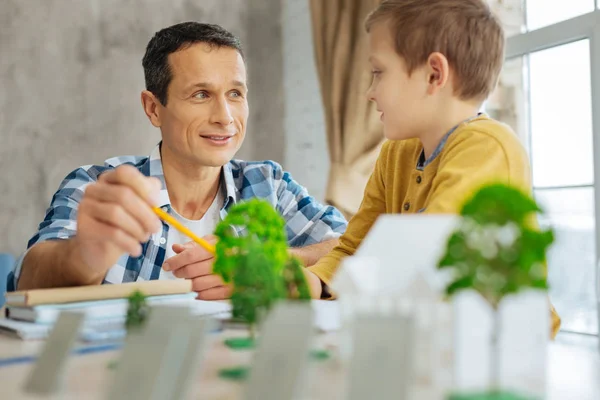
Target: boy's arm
{"x":309,"y":255}
{"x":373,"y":205}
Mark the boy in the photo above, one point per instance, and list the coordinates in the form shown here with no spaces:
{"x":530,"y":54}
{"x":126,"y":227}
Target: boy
{"x":434,"y":62}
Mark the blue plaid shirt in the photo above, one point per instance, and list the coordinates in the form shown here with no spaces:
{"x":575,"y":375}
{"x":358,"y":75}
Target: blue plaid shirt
{"x":306,"y":220}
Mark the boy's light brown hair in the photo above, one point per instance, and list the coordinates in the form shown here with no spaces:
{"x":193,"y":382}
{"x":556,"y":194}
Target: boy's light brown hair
{"x":465,"y":31}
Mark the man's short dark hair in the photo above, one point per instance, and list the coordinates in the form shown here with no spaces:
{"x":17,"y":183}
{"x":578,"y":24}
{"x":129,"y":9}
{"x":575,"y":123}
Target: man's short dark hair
{"x":157,"y":70}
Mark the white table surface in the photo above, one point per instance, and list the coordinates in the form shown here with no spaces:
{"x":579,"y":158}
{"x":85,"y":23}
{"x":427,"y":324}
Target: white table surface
{"x":573,"y":370}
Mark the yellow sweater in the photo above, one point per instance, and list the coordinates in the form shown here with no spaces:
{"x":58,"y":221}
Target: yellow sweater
{"x":479,"y":151}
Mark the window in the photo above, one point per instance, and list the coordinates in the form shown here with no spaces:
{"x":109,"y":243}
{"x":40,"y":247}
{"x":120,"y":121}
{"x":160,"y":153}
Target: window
{"x":571,"y":272}
{"x":540,"y":13}
{"x":561,"y":116}
{"x":547,"y":93}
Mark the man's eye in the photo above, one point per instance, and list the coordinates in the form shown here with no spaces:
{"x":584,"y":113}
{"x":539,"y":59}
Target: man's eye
{"x":201,"y":95}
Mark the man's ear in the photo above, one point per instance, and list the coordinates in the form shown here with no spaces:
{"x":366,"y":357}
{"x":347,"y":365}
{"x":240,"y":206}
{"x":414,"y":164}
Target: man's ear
{"x":152,"y":107}
{"x":438,"y":72}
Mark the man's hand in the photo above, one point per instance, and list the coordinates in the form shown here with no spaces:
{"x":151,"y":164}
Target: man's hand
{"x":195,"y":263}
{"x":115,"y":217}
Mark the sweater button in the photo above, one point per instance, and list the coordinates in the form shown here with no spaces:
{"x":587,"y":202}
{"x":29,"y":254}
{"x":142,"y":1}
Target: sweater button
{"x":419,"y":179}
{"x":406,"y":206}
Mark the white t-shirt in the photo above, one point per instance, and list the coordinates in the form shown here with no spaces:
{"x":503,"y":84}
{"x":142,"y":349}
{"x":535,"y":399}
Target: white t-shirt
{"x":204,"y":226}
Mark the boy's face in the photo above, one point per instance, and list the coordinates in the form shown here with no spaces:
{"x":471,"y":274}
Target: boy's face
{"x":403,"y":100}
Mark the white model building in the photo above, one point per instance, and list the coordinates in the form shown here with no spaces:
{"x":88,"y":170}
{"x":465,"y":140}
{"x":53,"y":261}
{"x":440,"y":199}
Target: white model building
{"x":394,"y":272}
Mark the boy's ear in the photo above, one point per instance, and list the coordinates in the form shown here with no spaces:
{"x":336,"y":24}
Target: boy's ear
{"x":438,"y":72}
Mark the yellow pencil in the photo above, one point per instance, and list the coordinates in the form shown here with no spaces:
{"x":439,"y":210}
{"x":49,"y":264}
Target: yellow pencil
{"x":177,"y":225}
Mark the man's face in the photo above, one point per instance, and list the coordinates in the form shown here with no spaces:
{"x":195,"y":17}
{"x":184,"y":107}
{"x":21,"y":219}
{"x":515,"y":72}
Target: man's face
{"x":204,"y":121}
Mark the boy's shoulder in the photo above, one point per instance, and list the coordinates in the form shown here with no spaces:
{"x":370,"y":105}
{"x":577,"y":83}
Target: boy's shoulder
{"x":487,"y":132}
{"x":489,"y":127}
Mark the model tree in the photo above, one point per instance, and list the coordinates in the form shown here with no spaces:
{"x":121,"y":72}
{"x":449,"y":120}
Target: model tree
{"x":252,"y":253}
{"x":137,"y":311}
{"x":497,"y":251}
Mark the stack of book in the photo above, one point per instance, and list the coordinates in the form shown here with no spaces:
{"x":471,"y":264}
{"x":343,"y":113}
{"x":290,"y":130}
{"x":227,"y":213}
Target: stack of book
{"x":31,"y":314}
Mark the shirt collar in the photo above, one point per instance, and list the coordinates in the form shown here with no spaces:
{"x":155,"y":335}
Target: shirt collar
{"x":422,"y":162}
{"x":232,"y":194}
{"x":156,"y":171}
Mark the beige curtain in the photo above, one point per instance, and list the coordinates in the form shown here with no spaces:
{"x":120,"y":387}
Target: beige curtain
{"x":354,"y":132}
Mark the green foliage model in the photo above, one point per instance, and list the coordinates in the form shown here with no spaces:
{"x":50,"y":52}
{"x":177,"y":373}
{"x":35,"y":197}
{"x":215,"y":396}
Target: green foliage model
{"x":257,"y":261}
{"x":497,"y":250}
{"x":137,"y":311}
{"x":137,"y":315}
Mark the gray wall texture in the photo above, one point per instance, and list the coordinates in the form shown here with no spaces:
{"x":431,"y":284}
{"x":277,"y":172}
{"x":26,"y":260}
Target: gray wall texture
{"x":71,"y":76}
{"x":306,"y":154}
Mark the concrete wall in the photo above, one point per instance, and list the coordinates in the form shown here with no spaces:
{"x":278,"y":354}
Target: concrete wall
{"x":71,"y":75}
{"x":265,"y":80}
{"x":306,"y":155}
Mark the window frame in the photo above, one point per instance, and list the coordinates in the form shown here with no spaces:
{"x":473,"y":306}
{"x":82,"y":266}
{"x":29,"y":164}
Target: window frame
{"x":583,"y":27}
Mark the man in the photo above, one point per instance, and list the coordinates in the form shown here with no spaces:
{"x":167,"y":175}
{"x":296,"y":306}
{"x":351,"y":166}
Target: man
{"x":100,"y":228}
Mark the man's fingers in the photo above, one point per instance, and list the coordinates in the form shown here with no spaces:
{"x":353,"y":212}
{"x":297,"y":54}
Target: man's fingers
{"x":145,"y":187}
{"x":100,"y":232}
{"x":188,"y":256}
{"x":178,"y":248}
{"x":212,"y":239}
{"x":115,"y":216}
{"x":218,"y":293}
{"x":192,"y":270}
{"x":125,"y":197}
{"x":206,"y":282}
